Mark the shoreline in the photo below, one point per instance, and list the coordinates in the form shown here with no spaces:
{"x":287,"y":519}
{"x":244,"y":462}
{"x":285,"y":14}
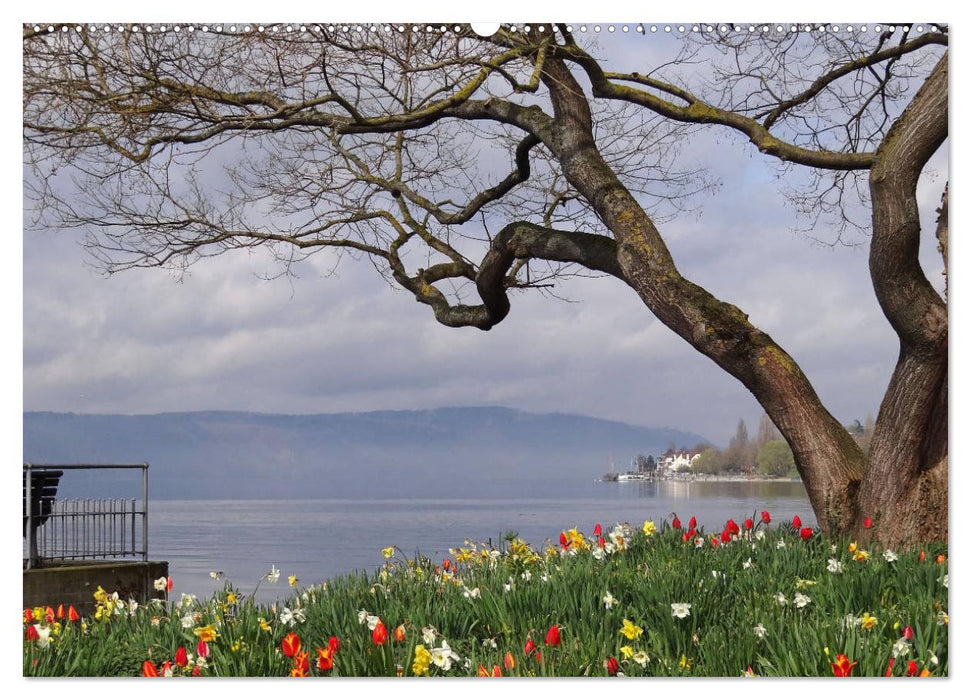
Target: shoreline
{"x":704,"y":477}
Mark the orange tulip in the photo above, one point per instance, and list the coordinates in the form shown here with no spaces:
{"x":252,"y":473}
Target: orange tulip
{"x":149,"y":670}
{"x":49,"y":614}
{"x":291,"y":645}
{"x":72,"y":614}
{"x":496,"y":671}
{"x":843,"y":666}
{"x":28,"y":615}
{"x":380,"y":634}
{"x":940,"y":559}
{"x":483,"y":672}
{"x":325,"y":659}
{"x":60,"y":612}
{"x":399,"y":633}
{"x":924,"y":673}
{"x":509,"y":661}
{"x":168,"y":584}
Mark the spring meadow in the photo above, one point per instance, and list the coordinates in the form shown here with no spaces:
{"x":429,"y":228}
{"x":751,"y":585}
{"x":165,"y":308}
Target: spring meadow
{"x":420,"y":350}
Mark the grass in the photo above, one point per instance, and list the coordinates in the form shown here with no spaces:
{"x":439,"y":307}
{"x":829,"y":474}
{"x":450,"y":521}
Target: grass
{"x":767,"y":602}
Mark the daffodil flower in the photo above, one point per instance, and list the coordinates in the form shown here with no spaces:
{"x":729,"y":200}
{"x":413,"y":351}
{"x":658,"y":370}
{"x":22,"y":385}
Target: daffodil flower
{"x":630,"y":630}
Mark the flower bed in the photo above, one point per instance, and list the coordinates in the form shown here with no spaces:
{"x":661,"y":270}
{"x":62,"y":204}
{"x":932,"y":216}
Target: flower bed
{"x":656,"y":600}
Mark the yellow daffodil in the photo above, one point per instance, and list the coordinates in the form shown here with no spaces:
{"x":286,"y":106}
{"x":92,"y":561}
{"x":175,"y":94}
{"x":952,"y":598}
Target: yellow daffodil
{"x":264,"y":625}
{"x":861,"y":555}
{"x":630,"y":630}
{"x":388,"y":552}
{"x":685,"y":663}
{"x":423,"y":659}
{"x":867,"y":621}
{"x":649,"y":528}
{"x":231,"y":598}
{"x":852,"y":547}
{"x":293,"y":580}
{"x":626,"y":651}
{"x":206,"y":634}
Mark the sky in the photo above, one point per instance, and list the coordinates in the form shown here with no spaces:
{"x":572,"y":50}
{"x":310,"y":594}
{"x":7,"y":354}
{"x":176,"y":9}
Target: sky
{"x":224,"y":338}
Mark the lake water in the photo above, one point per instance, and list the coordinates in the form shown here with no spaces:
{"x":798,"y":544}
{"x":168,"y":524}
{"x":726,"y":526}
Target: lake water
{"x":320,"y":539}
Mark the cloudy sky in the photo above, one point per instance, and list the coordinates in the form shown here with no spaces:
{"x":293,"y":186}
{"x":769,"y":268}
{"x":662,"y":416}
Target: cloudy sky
{"x":224,"y":338}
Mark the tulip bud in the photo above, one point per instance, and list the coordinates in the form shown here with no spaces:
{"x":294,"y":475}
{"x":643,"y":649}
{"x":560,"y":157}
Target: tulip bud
{"x":612,"y":666}
{"x":796,"y":522}
{"x":553,"y":636}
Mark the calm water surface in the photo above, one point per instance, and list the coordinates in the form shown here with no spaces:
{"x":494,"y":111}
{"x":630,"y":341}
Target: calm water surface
{"x":321,"y":539}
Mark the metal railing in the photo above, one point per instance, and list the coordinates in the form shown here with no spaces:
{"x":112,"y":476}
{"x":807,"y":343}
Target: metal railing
{"x":58,"y":530}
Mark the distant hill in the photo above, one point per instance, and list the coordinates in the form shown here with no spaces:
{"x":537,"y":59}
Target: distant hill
{"x":445,"y":452}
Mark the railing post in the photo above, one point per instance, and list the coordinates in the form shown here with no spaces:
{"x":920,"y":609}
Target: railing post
{"x":28,"y":503}
{"x":145,"y":511}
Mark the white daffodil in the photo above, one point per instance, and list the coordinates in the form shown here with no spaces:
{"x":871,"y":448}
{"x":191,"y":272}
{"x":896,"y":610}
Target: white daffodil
{"x":781,"y":544}
{"x":641,"y":658}
{"x":834,"y":566}
{"x":160,"y":584}
{"x":759,"y":630}
{"x":428,"y":635}
{"x":470,"y":594}
{"x":680,"y":610}
{"x":362,"y":615}
{"x":599,"y":553}
{"x":292,"y":617}
{"x":901,"y":647}
{"x":781,"y":599}
{"x":443,"y":656}
{"x":609,"y":600}
{"x":187,"y":621}
{"x":274,"y":574}
{"x":943,"y":580}
{"x":851,"y":621}
{"x":43,"y":636}
{"x":372,"y":621}
{"x":760,"y":535}
{"x":526,"y":575}
{"x":890,"y":556}
{"x":747,"y":564}
{"x":801,"y":600}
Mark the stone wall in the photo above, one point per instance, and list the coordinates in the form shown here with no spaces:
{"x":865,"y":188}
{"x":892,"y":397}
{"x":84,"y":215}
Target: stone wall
{"x":75,"y":584}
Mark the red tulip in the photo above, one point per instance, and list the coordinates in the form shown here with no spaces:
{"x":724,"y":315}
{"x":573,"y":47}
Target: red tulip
{"x":732,"y":527}
{"x":31,"y":633}
{"x":334,"y":644}
{"x":196,"y":671}
{"x":202,"y":649}
{"x":597,"y":530}
{"x":291,"y":644}
{"x":911,"y":668}
{"x":806,"y":533}
{"x":447,"y":565}
{"x":181,"y":658}
{"x":60,"y":612}
{"x":529,"y":647}
{"x":399,"y":633}
{"x":553,"y":636}
{"x":691,"y":532}
{"x":714,"y":541}
{"x":612,"y":666}
{"x":867,"y":523}
{"x":602,"y":542}
{"x":676,"y":524}
{"x":843,"y":666}
{"x":766,"y":518}
{"x":796,"y":522}
{"x":748,"y":523}
{"x":908,"y":632}
{"x":726,"y":536}
{"x":564,"y":543}
{"x":49,"y":614}
{"x":325,"y":659}
{"x":166,"y":669}
{"x":28,"y":614}
{"x":921,"y":557}
{"x":496,"y":671}
{"x":301,"y":665}
{"x":380,"y":634}
{"x":168,"y":584}
{"x":149,"y":670}
{"x":692,"y":524}
{"x":509,"y":661}
{"x":686,"y":536}
{"x":72,"y":614}
{"x":889,"y":668}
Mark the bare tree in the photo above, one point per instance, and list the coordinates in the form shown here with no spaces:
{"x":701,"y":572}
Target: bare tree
{"x":168,"y":148}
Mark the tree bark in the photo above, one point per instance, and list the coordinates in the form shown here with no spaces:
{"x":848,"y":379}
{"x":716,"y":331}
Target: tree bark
{"x":905,"y":487}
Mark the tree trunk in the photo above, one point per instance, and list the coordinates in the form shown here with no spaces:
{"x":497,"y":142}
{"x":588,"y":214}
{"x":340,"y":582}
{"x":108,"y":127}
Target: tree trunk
{"x":905,"y":487}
